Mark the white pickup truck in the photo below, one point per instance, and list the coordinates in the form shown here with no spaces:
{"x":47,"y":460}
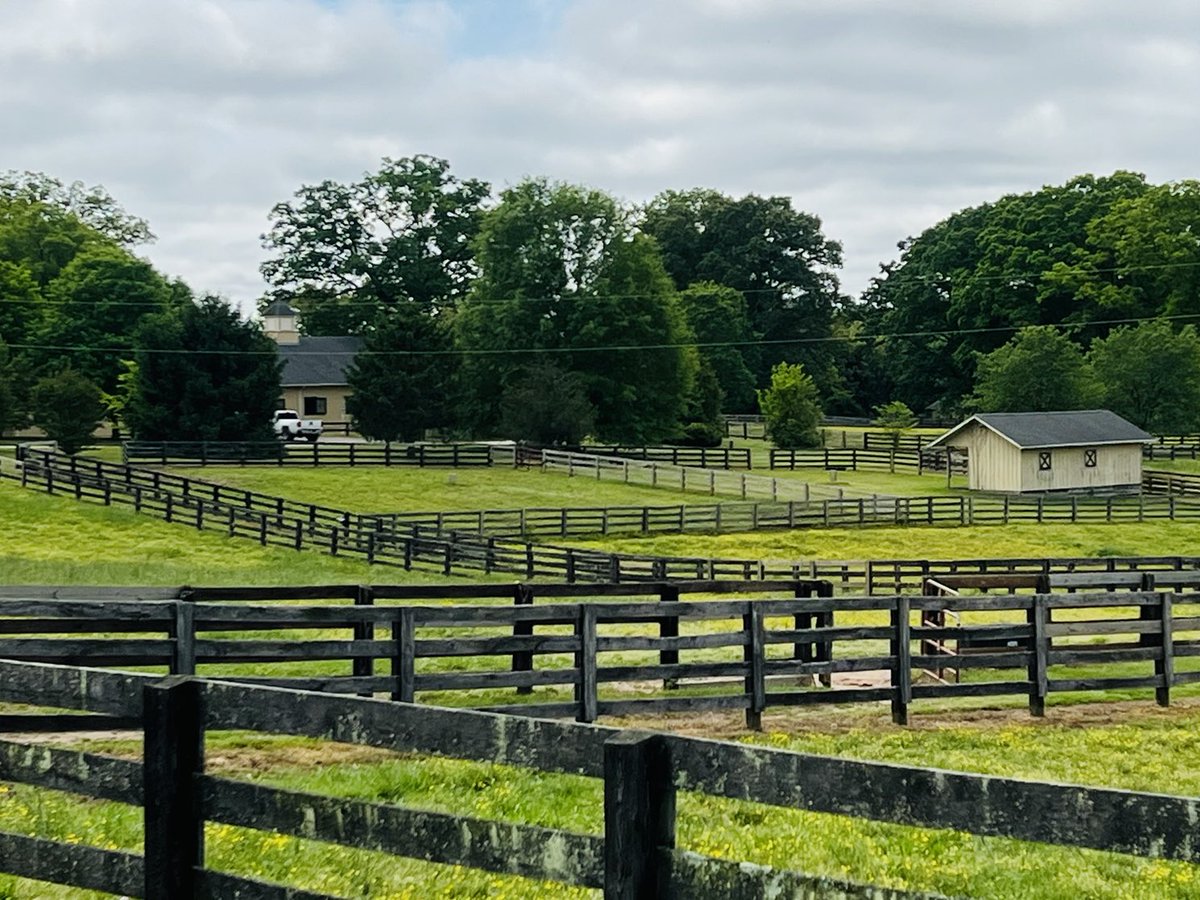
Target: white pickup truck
{"x":288,"y":425}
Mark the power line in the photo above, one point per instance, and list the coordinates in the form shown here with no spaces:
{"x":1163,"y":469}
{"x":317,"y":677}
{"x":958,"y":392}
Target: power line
{"x":610,"y":348}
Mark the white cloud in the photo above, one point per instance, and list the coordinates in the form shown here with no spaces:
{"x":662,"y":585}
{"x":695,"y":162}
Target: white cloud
{"x":881,"y":118}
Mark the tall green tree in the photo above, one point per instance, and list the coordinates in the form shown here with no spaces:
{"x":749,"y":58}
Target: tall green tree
{"x":1039,"y":370}
{"x":401,"y":380}
{"x":94,"y":307}
{"x":775,"y":255}
{"x":563,"y":272}
{"x":792,"y":407}
{"x":92,"y":206}
{"x":720,"y":320}
{"x":546,"y":404}
{"x":68,"y":407}
{"x":202,"y":373}
{"x":1150,"y":375}
{"x":345,"y":254}
{"x":9,"y":408}
{"x":960,"y":287}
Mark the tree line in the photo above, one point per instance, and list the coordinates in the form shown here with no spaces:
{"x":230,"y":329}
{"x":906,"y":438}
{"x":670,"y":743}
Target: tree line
{"x":550,"y":311}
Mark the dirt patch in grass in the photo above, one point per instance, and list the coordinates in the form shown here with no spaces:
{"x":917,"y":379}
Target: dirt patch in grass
{"x":730,"y":725}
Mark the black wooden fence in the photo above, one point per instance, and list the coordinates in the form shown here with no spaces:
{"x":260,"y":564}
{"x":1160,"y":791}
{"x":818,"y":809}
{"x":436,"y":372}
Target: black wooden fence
{"x":637,"y":855}
{"x":678,"y":654}
{"x":317,"y":453}
{"x":277,"y":521}
{"x":280,"y":522}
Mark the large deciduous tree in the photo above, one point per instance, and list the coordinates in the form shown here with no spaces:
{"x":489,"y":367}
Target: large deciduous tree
{"x":1039,"y":370}
{"x":563,"y":272}
{"x":775,"y":255}
{"x":961,"y":286}
{"x":1150,"y":374}
{"x":720,"y":321}
{"x":202,"y":373}
{"x":344,"y":254}
{"x":95,"y":306}
{"x":92,"y":206}
{"x":401,"y":380}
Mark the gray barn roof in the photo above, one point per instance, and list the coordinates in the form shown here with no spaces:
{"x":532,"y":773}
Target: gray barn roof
{"x":1031,"y":430}
{"x":318,"y":360}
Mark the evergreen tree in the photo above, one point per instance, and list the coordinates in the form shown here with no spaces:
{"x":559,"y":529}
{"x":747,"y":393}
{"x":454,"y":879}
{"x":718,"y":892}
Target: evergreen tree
{"x":68,"y":408}
{"x":401,"y":380}
{"x":202,"y":373}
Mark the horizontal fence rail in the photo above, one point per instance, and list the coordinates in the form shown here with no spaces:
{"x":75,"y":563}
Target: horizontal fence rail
{"x":318,"y":453}
{"x":879,"y":460}
{"x":609,"y":652}
{"x":700,"y":457}
{"x":685,"y":478}
{"x":636,"y":856}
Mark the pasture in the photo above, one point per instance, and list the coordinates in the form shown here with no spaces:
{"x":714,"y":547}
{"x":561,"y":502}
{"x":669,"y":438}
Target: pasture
{"x":1127,"y":745}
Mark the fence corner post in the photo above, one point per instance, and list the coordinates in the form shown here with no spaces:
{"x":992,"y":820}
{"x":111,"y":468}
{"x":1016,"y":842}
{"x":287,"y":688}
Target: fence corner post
{"x":639,"y":816}
{"x":173,"y":755}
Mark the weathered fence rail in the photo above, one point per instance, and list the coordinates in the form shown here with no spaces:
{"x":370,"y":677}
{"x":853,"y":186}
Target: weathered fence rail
{"x":318,"y":453}
{"x":699,"y":457}
{"x":607,"y":652}
{"x":637,"y":855}
{"x":854,"y":459}
{"x":1182,"y":484}
{"x":634,"y":857}
{"x":685,"y":478}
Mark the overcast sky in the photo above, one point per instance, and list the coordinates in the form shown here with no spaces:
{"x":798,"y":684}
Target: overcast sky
{"x":879,"y":116}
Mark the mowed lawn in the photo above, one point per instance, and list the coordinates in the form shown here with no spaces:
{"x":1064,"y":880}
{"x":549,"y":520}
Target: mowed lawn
{"x":926,"y":542}
{"x":379,"y":490}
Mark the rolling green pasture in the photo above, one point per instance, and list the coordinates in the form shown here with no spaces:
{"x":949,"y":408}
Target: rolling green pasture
{"x":57,"y":540}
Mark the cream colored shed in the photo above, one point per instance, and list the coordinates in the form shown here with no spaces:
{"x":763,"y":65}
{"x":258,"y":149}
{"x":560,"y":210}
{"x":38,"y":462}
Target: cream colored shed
{"x":1049,"y":451}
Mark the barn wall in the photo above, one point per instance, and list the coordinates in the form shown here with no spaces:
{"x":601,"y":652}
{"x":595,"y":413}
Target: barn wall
{"x":335,"y":401}
{"x":994,"y":464}
{"x":1116,"y":466}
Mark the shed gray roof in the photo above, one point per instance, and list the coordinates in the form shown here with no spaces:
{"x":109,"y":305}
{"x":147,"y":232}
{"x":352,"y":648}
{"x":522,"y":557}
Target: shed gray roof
{"x":1029,"y":430}
{"x":318,"y":360}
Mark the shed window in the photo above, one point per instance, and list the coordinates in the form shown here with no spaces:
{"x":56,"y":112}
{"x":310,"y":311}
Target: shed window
{"x":1089,"y":458}
{"x":1044,"y":461}
{"x":314,"y":406}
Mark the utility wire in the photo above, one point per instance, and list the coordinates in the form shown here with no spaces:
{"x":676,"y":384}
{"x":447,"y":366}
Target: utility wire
{"x":610,"y":348}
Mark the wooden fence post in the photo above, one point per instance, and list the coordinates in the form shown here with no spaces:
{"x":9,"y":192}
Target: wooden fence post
{"x":173,"y":756}
{"x":755,"y":656}
{"x":363,"y":666}
{"x":404,"y":655}
{"x":668,"y":627}
{"x":1038,"y":650}
{"x":1164,"y":666}
{"x":585,"y":663}
{"x":639,"y":816}
{"x":902,"y":664}
{"x":522,"y":660}
{"x":183,"y":633}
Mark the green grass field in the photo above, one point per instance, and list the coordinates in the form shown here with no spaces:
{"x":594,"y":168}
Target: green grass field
{"x":57,"y":540}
